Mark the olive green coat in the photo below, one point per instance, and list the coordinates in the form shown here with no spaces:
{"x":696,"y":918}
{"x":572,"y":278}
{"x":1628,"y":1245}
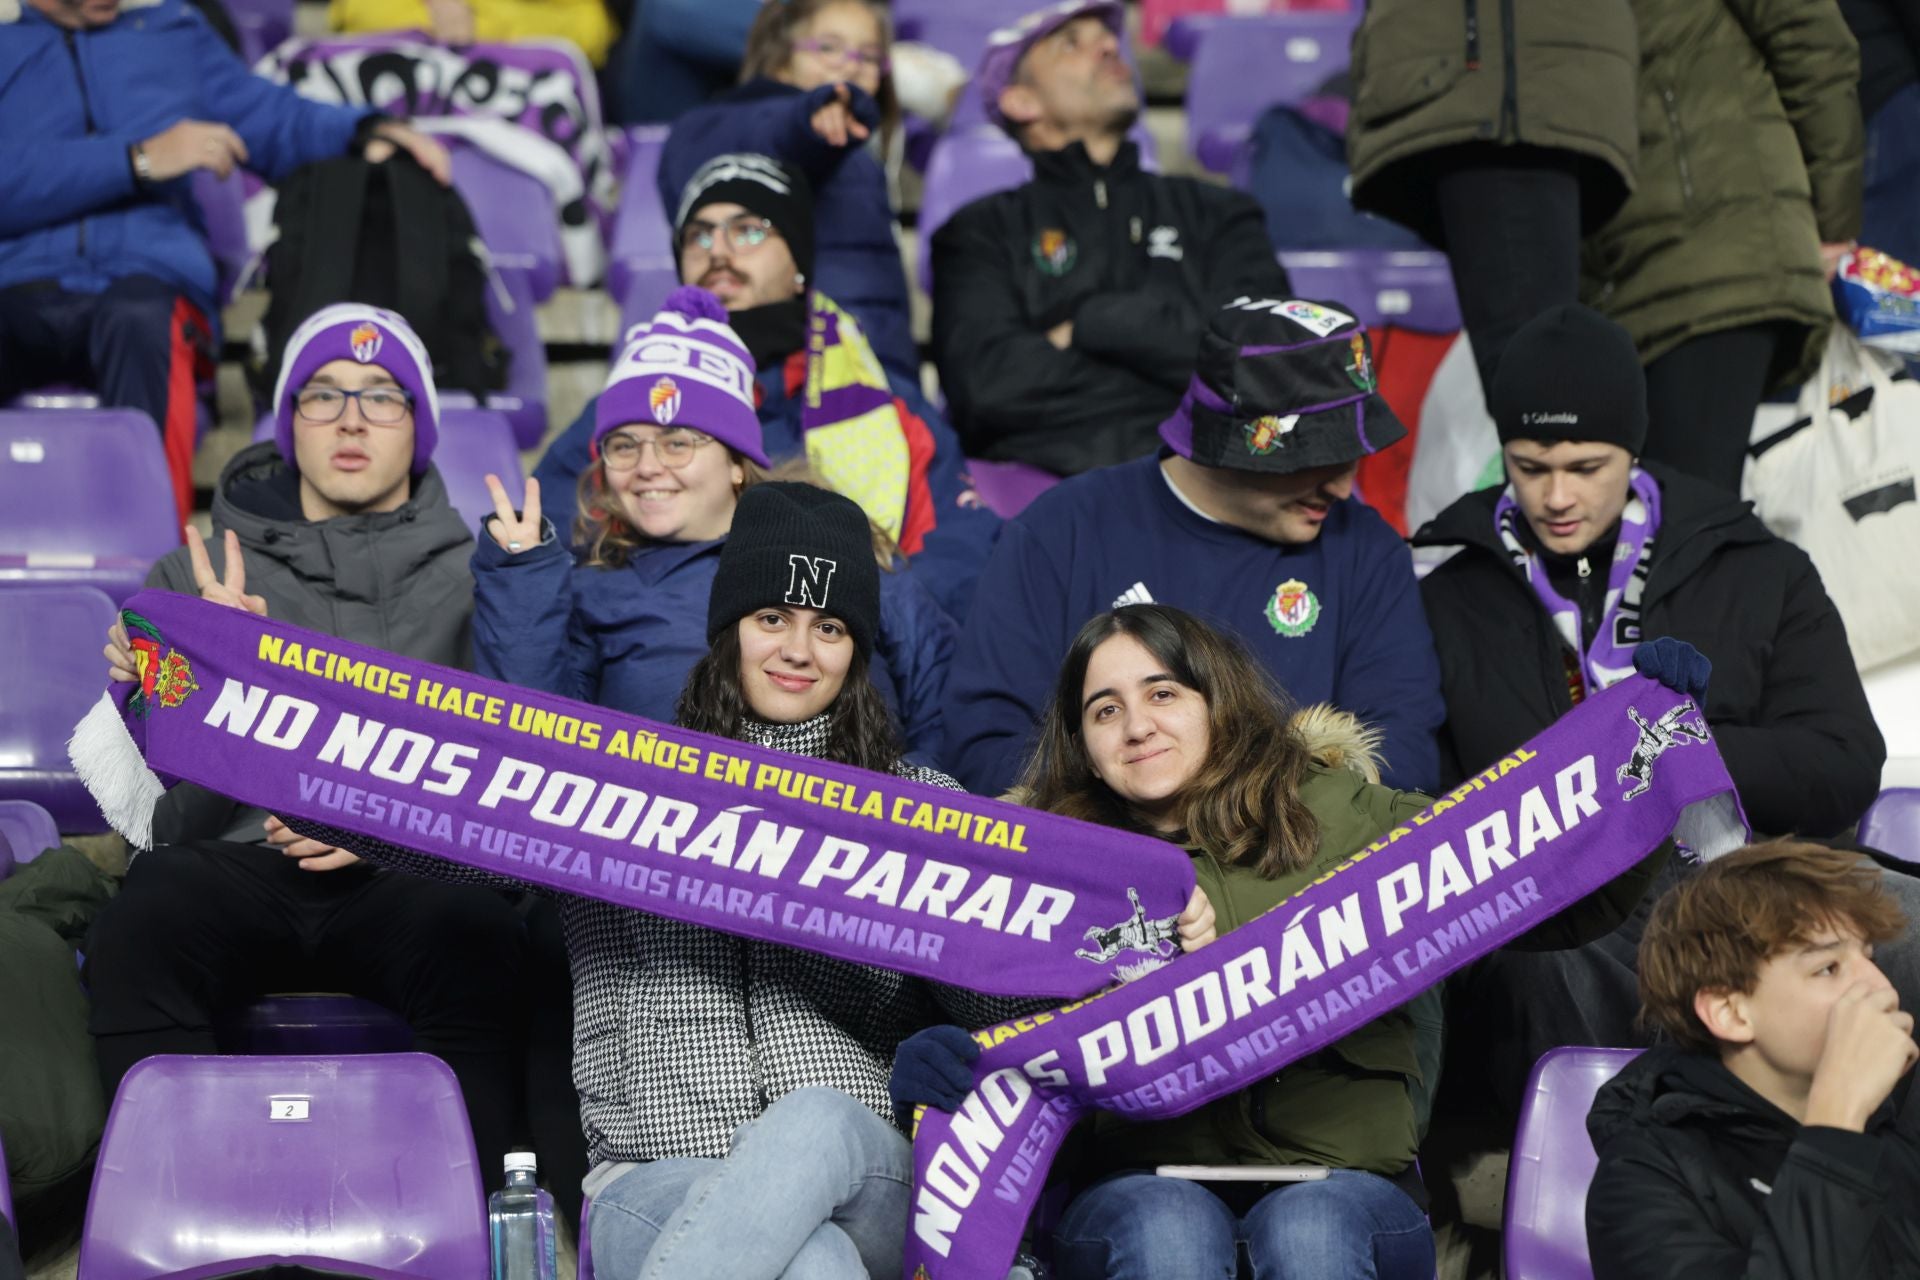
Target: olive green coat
{"x":1362,"y":1102}
{"x":1432,"y":76}
{"x":1751,"y":150}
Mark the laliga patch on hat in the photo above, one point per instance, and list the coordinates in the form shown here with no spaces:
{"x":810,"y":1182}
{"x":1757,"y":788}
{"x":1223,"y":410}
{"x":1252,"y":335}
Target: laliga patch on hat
{"x":1054,"y":252}
{"x":1293,"y":609}
{"x":1359,"y":367}
{"x":1311,"y":316}
{"x":1265,"y":434}
{"x":663,"y":399}
{"x":366,"y":341}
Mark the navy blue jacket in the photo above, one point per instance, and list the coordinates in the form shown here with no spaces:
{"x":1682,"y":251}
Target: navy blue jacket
{"x":1121,"y":535}
{"x":952,"y":554}
{"x":856,"y":257}
{"x":72,"y":102}
{"x":626,"y":638}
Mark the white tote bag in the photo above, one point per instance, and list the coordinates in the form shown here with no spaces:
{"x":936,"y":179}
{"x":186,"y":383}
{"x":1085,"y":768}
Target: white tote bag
{"x":1838,"y":481}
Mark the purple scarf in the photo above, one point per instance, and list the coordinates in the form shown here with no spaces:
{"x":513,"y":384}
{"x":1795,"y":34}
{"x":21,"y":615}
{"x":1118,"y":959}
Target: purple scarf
{"x":1610,"y":657}
{"x":1536,"y":832}
{"x":865,"y":867}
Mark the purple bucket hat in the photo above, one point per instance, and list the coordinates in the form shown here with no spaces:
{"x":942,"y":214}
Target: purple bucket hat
{"x":684,"y":368}
{"x":368,"y":335}
{"x":1282,"y":385}
{"x":1009,"y":44}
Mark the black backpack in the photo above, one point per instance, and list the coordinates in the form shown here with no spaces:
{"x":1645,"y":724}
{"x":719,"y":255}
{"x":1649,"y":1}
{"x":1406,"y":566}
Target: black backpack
{"x":390,"y":236}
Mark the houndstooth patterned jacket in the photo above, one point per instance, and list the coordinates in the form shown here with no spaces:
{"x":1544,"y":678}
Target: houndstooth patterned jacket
{"x":682,"y":1033}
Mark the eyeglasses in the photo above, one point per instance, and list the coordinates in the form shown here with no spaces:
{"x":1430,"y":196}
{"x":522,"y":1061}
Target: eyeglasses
{"x":744,"y":233}
{"x":674,"y":450}
{"x":828,"y":49}
{"x":380,"y":406}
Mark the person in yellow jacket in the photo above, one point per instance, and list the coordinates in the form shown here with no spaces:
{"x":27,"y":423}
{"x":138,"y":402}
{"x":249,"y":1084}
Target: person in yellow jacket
{"x":458,"y":22}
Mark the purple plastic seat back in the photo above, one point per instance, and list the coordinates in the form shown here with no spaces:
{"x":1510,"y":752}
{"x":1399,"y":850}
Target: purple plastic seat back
{"x":976,"y":161}
{"x":524,"y":401}
{"x":1242,"y":66}
{"x":959,"y":29}
{"x":642,"y":268}
{"x":313,"y":1026}
{"x":514,"y":214}
{"x":63,"y":473}
{"x":50,"y":638}
{"x":1007,"y":487}
{"x":1552,"y":1164}
{"x":362,"y":1166}
{"x":262,"y":24}
{"x":1892,"y":823}
{"x":1412,"y":289}
{"x":6,"y":869}
{"x":28,"y":828}
{"x":223,"y":204}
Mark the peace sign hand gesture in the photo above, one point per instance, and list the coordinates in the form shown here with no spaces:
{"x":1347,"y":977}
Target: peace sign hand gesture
{"x":515,"y":533}
{"x":230,"y":590}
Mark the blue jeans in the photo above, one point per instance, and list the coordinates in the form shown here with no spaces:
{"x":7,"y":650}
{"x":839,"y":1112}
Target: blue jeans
{"x":1353,"y":1225}
{"x":1891,"y":205}
{"x":815,"y":1189}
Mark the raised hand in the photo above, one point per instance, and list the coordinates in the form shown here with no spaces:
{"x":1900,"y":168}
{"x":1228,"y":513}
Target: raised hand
{"x":514,"y":533}
{"x":313,"y":855}
{"x":1869,"y":1047}
{"x":193,"y":144}
{"x":1196,"y":922}
{"x":390,"y":134}
{"x":836,"y":123}
{"x":230,"y":590}
{"x":119,"y":655}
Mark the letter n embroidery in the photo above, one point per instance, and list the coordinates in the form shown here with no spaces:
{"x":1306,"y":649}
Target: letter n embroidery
{"x":811,"y":576}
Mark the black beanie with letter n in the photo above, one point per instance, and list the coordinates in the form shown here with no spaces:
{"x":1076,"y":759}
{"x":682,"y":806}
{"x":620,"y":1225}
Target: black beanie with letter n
{"x":1571,"y":374}
{"x":798,"y":546}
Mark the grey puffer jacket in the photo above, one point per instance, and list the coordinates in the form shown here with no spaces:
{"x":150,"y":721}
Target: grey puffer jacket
{"x":398,"y":580}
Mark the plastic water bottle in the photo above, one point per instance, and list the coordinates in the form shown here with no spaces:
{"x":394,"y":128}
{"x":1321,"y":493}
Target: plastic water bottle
{"x":520,"y":1225}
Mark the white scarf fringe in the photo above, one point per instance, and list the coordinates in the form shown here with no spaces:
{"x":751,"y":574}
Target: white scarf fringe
{"x":109,"y":763}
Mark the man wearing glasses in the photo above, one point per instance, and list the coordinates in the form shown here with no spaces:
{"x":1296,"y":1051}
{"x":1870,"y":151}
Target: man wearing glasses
{"x":745,"y":233}
{"x":1067,"y":312}
{"x":342,"y":526}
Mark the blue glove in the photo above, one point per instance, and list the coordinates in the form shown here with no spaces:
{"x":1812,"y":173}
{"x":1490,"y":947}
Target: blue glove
{"x":935,"y":1067}
{"x":1675,"y":664}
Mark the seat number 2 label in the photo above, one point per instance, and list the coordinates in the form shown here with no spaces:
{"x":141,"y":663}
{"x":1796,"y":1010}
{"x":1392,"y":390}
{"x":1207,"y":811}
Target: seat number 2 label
{"x":288,"y":1108}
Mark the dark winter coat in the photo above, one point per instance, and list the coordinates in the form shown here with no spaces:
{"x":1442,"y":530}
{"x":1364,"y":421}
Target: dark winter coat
{"x":1135,"y":260}
{"x":856,"y":257}
{"x":1751,"y":154}
{"x":626,"y":638}
{"x":1701,"y":1178}
{"x":1785,"y":701}
{"x":1434,"y":76}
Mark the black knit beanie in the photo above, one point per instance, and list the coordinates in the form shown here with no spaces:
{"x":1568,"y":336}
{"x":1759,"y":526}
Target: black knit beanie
{"x":759,"y":184}
{"x":801,"y":546}
{"x":1571,"y":374}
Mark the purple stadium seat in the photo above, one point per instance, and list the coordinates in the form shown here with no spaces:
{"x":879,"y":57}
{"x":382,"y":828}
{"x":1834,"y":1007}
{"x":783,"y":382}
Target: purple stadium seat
{"x":357,"y":1166}
{"x":86,"y":496}
{"x":1007,"y":487}
{"x":1552,"y":1163}
{"x":976,"y":161}
{"x":28,"y":828}
{"x":642,"y":269}
{"x":6,"y":869}
{"x":313,"y":1026}
{"x":1411,"y":289}
{"x":473,"y":442}
{"x":53,"y":634}
{"x":1242,"y":66}
{"x":514,"y":214}
{"x":959,"y":29}
{"x":262,"y":24}
{"x":1892,"y":823}
{"x":223,"y":206}
{"x":524,"y":402}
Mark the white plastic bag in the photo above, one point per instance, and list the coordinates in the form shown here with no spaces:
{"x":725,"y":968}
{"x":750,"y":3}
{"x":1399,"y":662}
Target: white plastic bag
{"x":1838,"y":481}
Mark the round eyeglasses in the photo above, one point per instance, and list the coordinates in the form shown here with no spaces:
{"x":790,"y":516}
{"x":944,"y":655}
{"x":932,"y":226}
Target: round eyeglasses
{"x":744,"y":233}
{"x":674,"y":450}
{"x":380,"y":406}
{"x":828,"y":49}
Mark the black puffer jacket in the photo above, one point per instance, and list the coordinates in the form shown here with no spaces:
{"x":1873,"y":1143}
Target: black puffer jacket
{"x":1135,"y":260}
{"x":1785,"y":701}
{"x":1701,"y":1178}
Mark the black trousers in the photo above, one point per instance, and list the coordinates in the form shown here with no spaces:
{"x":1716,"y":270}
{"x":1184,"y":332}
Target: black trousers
{"x":200,"y":928}
{"x":1511,"y":216}
{"x":1701,"y":398}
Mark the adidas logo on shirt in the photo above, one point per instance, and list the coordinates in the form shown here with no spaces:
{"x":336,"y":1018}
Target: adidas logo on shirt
{"x":1135,"y":594}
